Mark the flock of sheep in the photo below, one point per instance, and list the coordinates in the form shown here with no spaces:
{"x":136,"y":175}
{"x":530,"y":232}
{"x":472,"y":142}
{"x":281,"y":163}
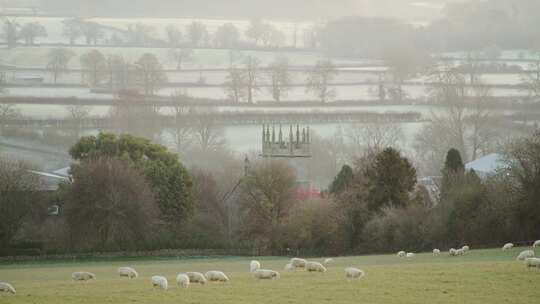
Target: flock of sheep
{"x":185,"y":279}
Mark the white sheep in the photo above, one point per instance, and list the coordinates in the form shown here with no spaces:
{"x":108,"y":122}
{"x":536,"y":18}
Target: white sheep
{"x":507,"y":246}
{"x":328,"y":261}
{"x":460,"y":251}
{"x":266,"y":274}
{"x":537,"y":243}
{"x":466,"y":248}
{"x":196,"y":277}
{"x":127,"y":272}
{"x":409,"y":254}
{"x":401,"y":254}
{"x":6,"y":287}
{"x":182,"y":279}
{"x":436,"y":251}
{"x":525,"y":254}
{"x":83,"y":276}
{"x":289,"y":267}
{"x":160,"y":281}
{"x":354,"y":273}
{"x":532,"y":262}
{"x":315,"y":267}
{"x":216,"y":276}
{"x":298,"y":263}
{"x":254,"y":265}
{"x":452,"y":252}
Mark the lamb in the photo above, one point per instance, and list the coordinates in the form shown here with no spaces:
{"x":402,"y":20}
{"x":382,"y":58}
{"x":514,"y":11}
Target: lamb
{"x":315,"y":267}
{"x":409,"y":254}
{"x":182,"y":280}
{"x":265,"y":274}
{"x":161,"y":282}
{"x":525,"y":254}
{"x":465,"y":248}
{"x":507,"y":246}
{"x":401,"y":254}
{"x":537,"y":243}
{"x":328,"y":261}
{"x":128,"y":272}
{"x":436,"y":251}
{"x":6,"y":287}
{"x":216,"y":276}
{"x":452,"y":252}
{"x":298,"y":263}
{"x":83,"y":276}
{"x":532,"y":262}
{"x":354,"y":273}
{"x":254,"y":265}
{"x":196,"y":277}
{"x":460,"y":252}
{"x":289,"y":267}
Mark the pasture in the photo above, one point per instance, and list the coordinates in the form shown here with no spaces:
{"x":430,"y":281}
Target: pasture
{"x":481,"y":276}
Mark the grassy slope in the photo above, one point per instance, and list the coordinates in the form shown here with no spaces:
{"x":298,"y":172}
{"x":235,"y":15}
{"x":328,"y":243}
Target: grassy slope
{"x":483,"y":276}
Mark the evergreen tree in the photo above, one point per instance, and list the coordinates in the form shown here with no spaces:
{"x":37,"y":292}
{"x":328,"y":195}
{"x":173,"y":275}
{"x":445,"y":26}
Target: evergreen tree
{"x":342,"y":181}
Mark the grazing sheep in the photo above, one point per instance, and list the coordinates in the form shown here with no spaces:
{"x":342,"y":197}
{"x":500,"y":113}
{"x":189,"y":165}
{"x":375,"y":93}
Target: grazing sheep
{"x":128,"y":272}
{"x":216,"y":276}
{"x":507,"y":246}
{"x":196,"y":277}
{"x":537,"y":243}
{"x":401,"y":254}
{"x":6,"y":287}
{"x":83,"y":276}
{"x":298,"y":263}
{"x":409,"y":254}
{"x":354,"y":273}
{"x":532,"y":262}
{"x":161,"y":282}
{"x":452,"y":252}
{"x":436,"y":251}
{"x":265,"y":274}
{"x":525,"y":254}
{"x":182,"y":280}
{"x":289,"y":267}
{"x":328,"y":261}
{"x":465,"y":248}
{"x":315,"y":267}
{"x":254,"y":265}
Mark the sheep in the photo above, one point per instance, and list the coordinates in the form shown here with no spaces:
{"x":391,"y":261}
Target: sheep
{"x":328,"y":261}
{"x":128,"y":272}
{"x":182,"y":280}
{"x":6,"y":287}
{"x":254,"y":265}
{"x":525,"y":254}
{"x":265,"y":274}
{"x":159,"y":281}
{"x":354,"y":273}
{"x":465,"y":248}
{"x":196,"y":277}
{"x":532,"y":262}
{"x":537,"y":243}
{"x":315,"y":267}
{"x":216,"y":276}
{"x":289,"y":267}
{"x":298,"y":263}
{"x":507,"y":246}
{"x":409,"y":254}
{"x":452,"y":252}
{"x":401,"y":254}
{"x":460,"y":251}
{"x":83,"y":276}
{"x":436,"y":251}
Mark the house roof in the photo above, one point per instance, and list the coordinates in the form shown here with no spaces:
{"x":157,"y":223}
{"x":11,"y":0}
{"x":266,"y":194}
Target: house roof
{"x":488,"y":164}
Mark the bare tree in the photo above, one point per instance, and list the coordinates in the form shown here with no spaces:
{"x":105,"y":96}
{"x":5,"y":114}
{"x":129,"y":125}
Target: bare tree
{"x":319,"y":79}
{"x":197,"y":33}
{"x":140,"y":34}
{"x":256,"y":30}
{"x":374,"y":137}
{"x":235,"y":84}
{"x":281,"y":78}
{"x":180,"y":56}
{"x":174,"y":36}
{"x":182,"y":130}
{"x":531,"y":80}
{"x":227,"y":36}
{"x":72,"y":29}
{"x":7,"y":112}
{"x":207,"y":133}
{"x":30,"y":31}
{"x":120,"y":72}
{"x":150,"y":73}
{"x":10,"y":31}
{"x":78,"y":114}
{"x":91,"y":31}
{"x":58,"y":61}
{"x":403,"y":62}
{"x":94,"y":67}
{"x":252,"y":77}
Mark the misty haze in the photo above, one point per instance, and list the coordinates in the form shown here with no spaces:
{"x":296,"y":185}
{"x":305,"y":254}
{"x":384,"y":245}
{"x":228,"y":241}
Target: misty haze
{"x":251,"y":151}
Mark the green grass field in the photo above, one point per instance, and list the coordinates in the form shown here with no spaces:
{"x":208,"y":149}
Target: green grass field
{"x":482,"y":276}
